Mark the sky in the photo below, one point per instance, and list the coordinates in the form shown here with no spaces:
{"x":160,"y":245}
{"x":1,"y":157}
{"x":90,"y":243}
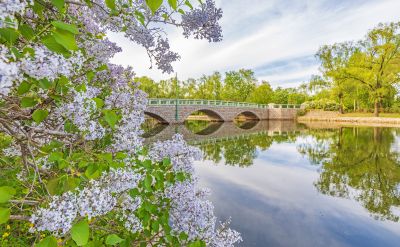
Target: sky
{"x":277,"y":39}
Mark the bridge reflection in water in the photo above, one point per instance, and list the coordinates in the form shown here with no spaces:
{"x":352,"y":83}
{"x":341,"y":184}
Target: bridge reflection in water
{"x":235,"y":143}
{"x":203,"y":131}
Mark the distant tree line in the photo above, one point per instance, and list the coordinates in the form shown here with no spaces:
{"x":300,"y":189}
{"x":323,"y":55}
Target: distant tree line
{"x":238,"y":85}
{"x":359,"y":75}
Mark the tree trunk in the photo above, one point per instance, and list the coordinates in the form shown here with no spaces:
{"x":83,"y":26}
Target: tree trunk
{"x":376,"y":108}
{"x":340,"y":105}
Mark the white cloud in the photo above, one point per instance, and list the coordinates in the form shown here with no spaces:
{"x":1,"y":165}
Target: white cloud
{"x":258,"y":33}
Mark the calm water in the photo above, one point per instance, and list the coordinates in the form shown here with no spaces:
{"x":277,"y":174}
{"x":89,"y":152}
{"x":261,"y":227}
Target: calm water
{"x":285,"y":184}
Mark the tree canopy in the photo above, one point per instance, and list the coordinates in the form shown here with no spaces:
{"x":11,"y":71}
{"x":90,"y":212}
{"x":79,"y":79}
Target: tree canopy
{"x":74,"y":170}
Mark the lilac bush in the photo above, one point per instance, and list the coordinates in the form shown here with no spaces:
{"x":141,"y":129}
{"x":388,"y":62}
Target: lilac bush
{"x":75,"y":169}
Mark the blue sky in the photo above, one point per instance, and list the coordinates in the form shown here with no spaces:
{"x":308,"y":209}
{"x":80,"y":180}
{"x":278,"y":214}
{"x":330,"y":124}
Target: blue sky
{"x":275,"y":38}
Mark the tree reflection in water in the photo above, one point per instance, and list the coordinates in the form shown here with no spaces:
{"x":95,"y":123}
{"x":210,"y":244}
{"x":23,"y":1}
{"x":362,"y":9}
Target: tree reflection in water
{"x":359,"y":163}
{"x":241,"y":151}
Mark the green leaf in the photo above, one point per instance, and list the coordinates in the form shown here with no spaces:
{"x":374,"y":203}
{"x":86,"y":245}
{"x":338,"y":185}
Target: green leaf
{"x":80,"y":232}
{"x":154,"y":5}
{"x":113,"y":239}
{"x":66,"y":39}
{"x":166,"y":161}
{"x":26,"y":31}
{"x":39,"y":115}
{"x":173,"y":4}
{"x":28,"y":102}
{"x":4,"y":215}
{"x":187,"y":3}
{"x":6,"y":193}
{"x":65,"y":26}
{"x":148,"y":181}
{"x":111,"y":118}
{"x":181,"y":11}
{"x":180,"y":176}
{"x":92,"y":171}
{"x":99,"y":102}
{"x":52,"y":186}
{"x":55,"y":156}
{"x":197,"y":243}
{"x":44,"y":83}
{"x":38,"y":8}
{"x":110,"y":4}
{"x":90,"y":75}
{"x":16,"y":52}
{"x":57,"y":186}
{"x":51,"y":43}
{"x":102,"y":67}
{"x":8,"y":34}
{"x":183,"y":236}
{"x":165,"y":16}
{"x":147,"y":164}
{"x":23,"y":87}
{"x":140,"y":17}
{"x":59,"y":4}
{"x":50,"y":241}
{"x":155,"y":226}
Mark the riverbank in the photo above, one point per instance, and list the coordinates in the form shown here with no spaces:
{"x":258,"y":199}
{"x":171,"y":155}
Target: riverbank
{"x":350,"y":119}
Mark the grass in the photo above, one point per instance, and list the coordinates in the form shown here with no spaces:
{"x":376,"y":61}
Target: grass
{"x":360,"y":114}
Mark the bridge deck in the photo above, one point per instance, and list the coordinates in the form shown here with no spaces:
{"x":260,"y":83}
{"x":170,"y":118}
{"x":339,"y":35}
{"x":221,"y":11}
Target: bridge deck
{"x":205,"y":102}
{"x":178,"y":110}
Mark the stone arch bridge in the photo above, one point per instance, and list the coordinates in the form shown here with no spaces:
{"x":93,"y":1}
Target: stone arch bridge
{"x":178,"y":110}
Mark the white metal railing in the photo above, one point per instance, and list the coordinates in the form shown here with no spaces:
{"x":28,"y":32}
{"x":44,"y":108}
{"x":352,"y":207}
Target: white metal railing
{"x":161,"y":102}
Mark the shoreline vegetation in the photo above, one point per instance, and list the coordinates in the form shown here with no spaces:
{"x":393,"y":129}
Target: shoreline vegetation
{"x":360,"y":119}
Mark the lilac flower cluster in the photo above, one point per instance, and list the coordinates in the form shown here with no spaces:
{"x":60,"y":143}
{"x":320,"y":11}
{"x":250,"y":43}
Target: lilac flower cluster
{"x":181,"y":154}
{"x":203,"y":22}
{"x":9,"y":72}
{"x":59,"y":215}
{"x":190,"y":211}
{"x":192,"y":214}
{"x":12,"y":151}
{"x":127,"y":216}
{"x":148,"y":37}
{"x":8,"y":8}
{"x":81,"y":111}
{"x":127,"y":135}
{"x":47,"y":64}
{"x":164,"y":57}
{"x":98,"y":198}
{"x":117,"y":77}
{"x":99,"y":52}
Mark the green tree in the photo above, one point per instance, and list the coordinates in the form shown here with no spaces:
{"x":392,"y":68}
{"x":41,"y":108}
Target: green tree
{"x":334,"y":61}
{"x":209,"y":87}
{"x":377,"y":63}
{"x":149,"y":86}
{"x":262,"y":94}
{"x":373,"y":62}
{"x":238,"y":85}
{"x":280,"y":96}
{"x":297,"y":98}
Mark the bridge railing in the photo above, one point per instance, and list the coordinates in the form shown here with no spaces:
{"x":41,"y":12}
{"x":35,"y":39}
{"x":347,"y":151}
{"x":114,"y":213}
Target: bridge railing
{"x":161,"y":102}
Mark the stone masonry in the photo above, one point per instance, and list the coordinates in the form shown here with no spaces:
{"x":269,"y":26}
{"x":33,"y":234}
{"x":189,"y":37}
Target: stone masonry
{"x":166,"y":113}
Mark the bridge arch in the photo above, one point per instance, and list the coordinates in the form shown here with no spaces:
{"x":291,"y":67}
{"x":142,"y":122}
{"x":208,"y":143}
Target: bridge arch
{"x":157,"y":116}
{"x":213,"y":115}
{"x":248,"y":115}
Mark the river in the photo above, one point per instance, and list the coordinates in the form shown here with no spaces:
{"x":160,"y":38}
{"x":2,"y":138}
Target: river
{"x":287,"y":184}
